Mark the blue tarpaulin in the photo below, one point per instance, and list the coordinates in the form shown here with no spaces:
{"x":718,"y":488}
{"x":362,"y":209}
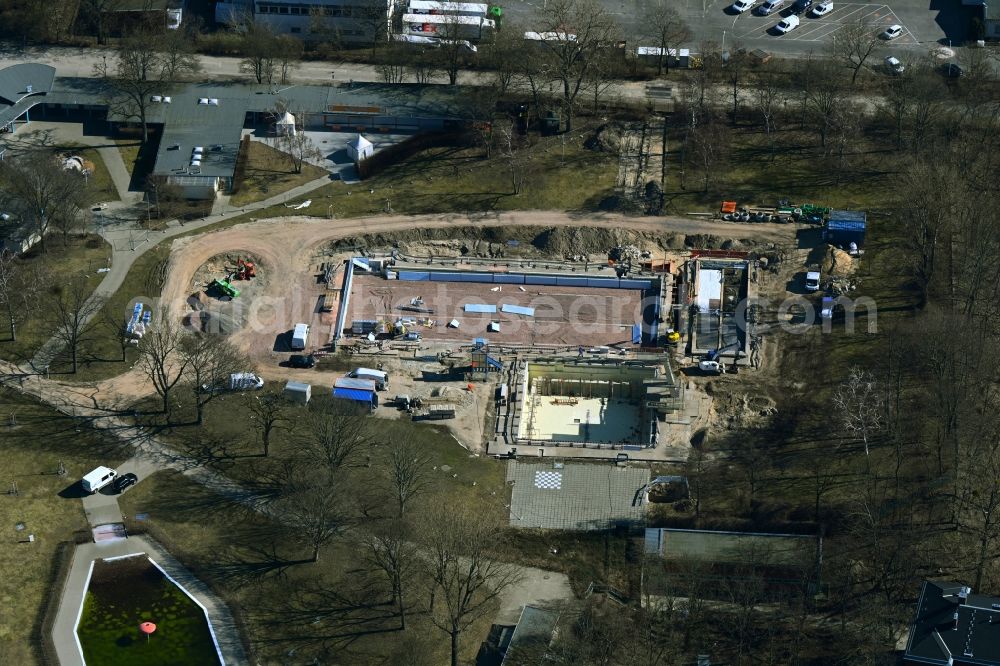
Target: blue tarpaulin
{"x":518,"y":309}
{"x":357,"y":395}
{"x":481,"y":307}
{"x":636,"y":334}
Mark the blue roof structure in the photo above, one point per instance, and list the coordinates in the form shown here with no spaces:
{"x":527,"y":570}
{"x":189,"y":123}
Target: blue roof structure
{"x":358,"y":395}
{"x":518,"y":309}
{"x":481,"y":308}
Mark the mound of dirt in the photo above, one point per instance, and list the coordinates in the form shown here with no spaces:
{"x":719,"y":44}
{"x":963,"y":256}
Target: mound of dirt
{"x":606,"y":139}
{"x":838,"y":262}
{"x":743,"y":411}
{"x":564,"y":241}
{"x":215,"y":323}
{"x":198,"y":300}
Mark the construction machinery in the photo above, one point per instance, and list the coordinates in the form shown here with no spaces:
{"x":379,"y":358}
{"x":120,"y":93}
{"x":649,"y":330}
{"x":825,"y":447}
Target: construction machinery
{"x":226,"y":287}
{"x":245,"y":270}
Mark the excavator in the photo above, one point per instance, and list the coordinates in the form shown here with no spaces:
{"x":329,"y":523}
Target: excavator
{"x":713,"y":364}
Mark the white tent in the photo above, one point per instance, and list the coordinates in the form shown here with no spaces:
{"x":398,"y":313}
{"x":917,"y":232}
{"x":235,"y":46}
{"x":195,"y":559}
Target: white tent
{"x":359,"y":149}
{"x":285,"y":125}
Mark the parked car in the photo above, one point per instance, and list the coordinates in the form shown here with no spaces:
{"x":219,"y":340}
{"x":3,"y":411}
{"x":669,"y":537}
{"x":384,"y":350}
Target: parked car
{"x":952,"y":70}
{"x":802,"y":6}
{"x":788,"y":24}
{"x":770,"y":6}
{"x":125,"y":481}
{"x":893,"y":31}
{"x":302,"y":361}
{"x":893,"y":65}
{"x":823,"y":8}
{"x":741,"y":6}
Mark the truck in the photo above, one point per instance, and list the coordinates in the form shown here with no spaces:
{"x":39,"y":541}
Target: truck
{"x":300,"y":337}
{"x":812,"y":280}
{"x":380,"y":378}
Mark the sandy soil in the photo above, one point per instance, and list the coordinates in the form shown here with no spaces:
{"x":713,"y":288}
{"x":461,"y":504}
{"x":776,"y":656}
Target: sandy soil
{"x":289,"y":252}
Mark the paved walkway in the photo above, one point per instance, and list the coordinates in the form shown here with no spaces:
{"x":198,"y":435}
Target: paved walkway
{"x":64,"y":629}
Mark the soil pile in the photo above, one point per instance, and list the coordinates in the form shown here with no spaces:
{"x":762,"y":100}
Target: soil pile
{"x":837,"y":262}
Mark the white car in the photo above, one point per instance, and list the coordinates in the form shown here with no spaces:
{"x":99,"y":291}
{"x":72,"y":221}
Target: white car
{"x":894,"y":66}
{"x":823,"y":8}
{"x":893,"y":31}
{"x":788,"y":24}
{"x":711,"y":367}
{"x":741,"y":6}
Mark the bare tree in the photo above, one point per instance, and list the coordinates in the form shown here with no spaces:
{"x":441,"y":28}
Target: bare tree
{"x":514,"y":156}
{"x":463,"y":544}
{"x":823,"y":95}
{"x":260,"y":52}
{"x":143,"y":65}
{"x":708,"y":145}
{"x":855,"y":43}
{"x":392,"y":63}
{"x":503,"y":57}
{"x":664,"y":26}
{"x":390,"y":548}
{"x":767,"y":95}
{"x":69,"y":314}
{"x":295,"y":143}
{"x":39,"y":190}
{"x":19,"y":286}
{"x":177,"y":57}
{"x":581,"y":29}
{"x":335,"y":436}
{"x":314,"y":508}
{"x":859,"y":402}
{"x":453,"y":52}
{"x":407,"y":470}
{"x":115,"y":326}
{"x":268,"y":414}
{"x":210,"y":359}
{"x":160,"y":357}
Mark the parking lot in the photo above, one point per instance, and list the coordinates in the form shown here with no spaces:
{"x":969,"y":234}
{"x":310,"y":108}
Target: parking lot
{"x":926,"y":24}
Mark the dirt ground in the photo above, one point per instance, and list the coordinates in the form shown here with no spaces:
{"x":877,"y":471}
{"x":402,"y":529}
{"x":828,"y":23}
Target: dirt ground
{"x":290,"y":253}
{"x":563,"y":315}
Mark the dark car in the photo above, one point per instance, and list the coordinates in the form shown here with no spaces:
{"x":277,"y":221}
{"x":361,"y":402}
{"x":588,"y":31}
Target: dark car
{"x":801,"y":6}
{"x":125,"y":481}
{"x":953,"y":70}
{"x":302,"y":361}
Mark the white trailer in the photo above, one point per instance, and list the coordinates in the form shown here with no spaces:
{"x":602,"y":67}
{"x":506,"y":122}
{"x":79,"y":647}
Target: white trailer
{"x":300,"y":337}
{"x":452,"y":8}
{"x":380,"y":378}
{"x":450,"y":26}
{"x":299,"y":392}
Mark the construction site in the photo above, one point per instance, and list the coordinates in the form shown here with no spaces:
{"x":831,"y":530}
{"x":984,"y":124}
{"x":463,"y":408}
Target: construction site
{"x":519,"y":352}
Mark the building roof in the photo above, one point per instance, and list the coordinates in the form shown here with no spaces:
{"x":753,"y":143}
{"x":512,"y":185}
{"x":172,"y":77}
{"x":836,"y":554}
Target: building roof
{"x":15,"y":80}
{"x":533,"y":632}
{"x":954,"y":626}
{"x":575,"y":496}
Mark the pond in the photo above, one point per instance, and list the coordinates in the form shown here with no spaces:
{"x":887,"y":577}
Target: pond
{"x":127,"y":592}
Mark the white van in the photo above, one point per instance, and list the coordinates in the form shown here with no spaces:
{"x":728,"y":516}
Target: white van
{"x":380,"y":378}
{"x":300,"y":337}
{"x":770,"y":6}
{"x":97,"y":479}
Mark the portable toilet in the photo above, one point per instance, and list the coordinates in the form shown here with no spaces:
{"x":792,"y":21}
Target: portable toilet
{"x":298,"y":392}
{"x":360,"y":149}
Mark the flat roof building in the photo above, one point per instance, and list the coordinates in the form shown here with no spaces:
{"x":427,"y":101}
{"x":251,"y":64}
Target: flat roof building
{"x":954,"y":627}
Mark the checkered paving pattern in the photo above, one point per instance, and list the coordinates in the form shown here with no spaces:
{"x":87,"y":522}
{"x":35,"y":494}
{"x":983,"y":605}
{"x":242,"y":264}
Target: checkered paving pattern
{"x":548,"y":480}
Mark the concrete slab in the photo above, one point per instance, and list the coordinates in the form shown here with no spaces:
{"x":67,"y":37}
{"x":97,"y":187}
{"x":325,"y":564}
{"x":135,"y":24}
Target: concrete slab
{"x":536,"y":587}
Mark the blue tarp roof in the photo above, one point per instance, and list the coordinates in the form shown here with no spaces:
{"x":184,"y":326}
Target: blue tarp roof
{"x":480,"y":307}
{"x":636,"y":334}
{"x":518,"y":309}
{"x":358,"y":395}
{"x":846,"y":225}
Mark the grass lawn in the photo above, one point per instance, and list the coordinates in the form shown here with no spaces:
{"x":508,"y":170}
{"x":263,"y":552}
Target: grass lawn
{"x":100,"y":188}
{"x":32,"y":450}
{"x":751,"y":176}
{"x":268,"y":173}
{"x":78,"y":260}
{"x":102,"y":355}
{"x":559,"y":174}
{"x":125,"y":593}
{"x":130,"y":149}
